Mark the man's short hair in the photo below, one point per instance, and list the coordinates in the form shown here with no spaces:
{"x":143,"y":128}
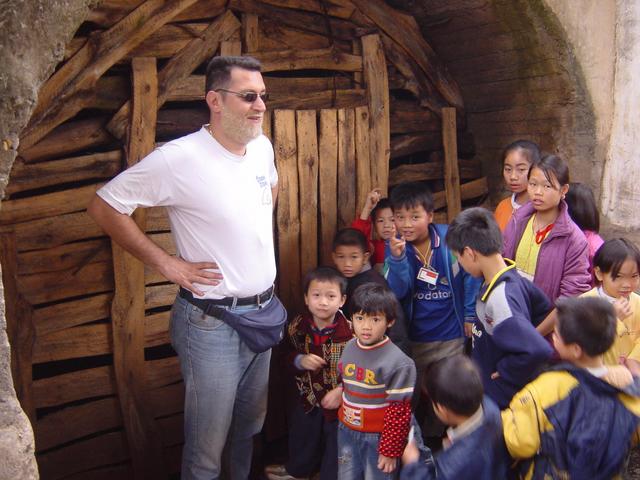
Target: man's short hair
{"x":455,"y":383}
{"x":589,"y":322}
{"x":350,"y":237}
{"x":477,"y":229}
{"x":325,"y":274}
{"x":219,"y":70}
{"x":411,"y":195}
{"x":371,"y":298}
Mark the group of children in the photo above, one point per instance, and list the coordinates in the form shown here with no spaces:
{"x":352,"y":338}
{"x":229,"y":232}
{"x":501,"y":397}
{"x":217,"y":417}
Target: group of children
{"x":552,"y":385}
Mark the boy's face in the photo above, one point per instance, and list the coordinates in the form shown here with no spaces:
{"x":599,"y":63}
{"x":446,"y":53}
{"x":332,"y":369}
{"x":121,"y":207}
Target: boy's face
{"x":323,"y":299}
{"x":370,"y":327}
{"x":469,"y":261}
{"x":385,"y":228}
{"x":350,"y":259}
{"x":413,"y":223}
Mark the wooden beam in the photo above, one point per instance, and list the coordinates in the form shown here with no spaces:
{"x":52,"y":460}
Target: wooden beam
{"x":346,"y":167}
{"x":364,"y":183}
{"x":73,"y":386}
{"x":375,"y":75}
{"x":402,"y":145}
{"x":451,"y":175}
{"x":307,"y":141}
{"x":61,"y":316}
{"x":469,"y":169}
{"x":231,"y":47}
{"x":181,"y":66}
{"x":250,"y":32}
{"x":288,"y":212}
{"x":338,"y":9}
{"x":20,"y":329}
{"x":328,"y":181}
{"x":127,"y":309}
{"x":317,"y":59}
{"x":473,"y":189}
{"x":70,"y":89}
{"x":404,"y":30}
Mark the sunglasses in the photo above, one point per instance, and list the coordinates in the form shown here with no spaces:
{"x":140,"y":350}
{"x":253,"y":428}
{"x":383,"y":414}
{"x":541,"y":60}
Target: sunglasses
{"x":248,"y":97}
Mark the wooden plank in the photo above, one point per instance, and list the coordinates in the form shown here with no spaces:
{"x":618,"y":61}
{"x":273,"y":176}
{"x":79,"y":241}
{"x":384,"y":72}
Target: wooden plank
{"x":69,"y":138}
{"x":64,"y":257}
{"x":60,"y":316}
{"x":451,"y":174}
{"x":167,"y":400}
{"x":432,"y":171}
{"x":163,"y":372}
{"x":328,"y":181}
{"x":231,"y":47}
{"x":318,"y":100}
{"x":127,"y":309}
{"x":181,"y":65}
{"x":317,"y":59}
{"x":121,"y":472}
{"x":404,"y":30}
{"x":77,"y":421}
{"x":364,"y":183}
{"x":474,"y":189}
{"x":403,"y":145}
{"x":54,"y":231}
{"x":70,"y":88}
{"x":156,"y":329}
{"x":346,"y":167}
{"x":47,"y":205}
{"x":287,"y":213}
{"x":250,"y":32}
{"x":20,"y":330}
{"x":74,"y":386}
{"x":76,"y":169}
{"x":340,"y":9}
{"x":375,"y":75}
{"x":76,"y":342}
{"x":84,"y":455}
{"x":276,"y":36}
{"x":267,"y":125}
{"x":172,"y":430}
{"x":356,"y":49}
{"x":160,"y":295}
{"x":307,"y":141}
{"x":409,"y":117}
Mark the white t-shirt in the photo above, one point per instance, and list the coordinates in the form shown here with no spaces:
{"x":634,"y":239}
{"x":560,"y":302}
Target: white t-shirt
{"x":219,"y":206}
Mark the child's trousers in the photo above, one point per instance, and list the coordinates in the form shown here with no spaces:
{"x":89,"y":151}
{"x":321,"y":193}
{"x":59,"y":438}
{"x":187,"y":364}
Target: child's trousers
{"x":358,"y":456}
{"x":312,"y":440}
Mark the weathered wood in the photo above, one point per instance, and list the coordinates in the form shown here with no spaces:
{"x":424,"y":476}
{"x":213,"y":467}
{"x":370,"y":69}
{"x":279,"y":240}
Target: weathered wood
{"x":276,"y":36}
{"x":20,"y":329}
{"x":307,"y":142}
{"x":76,"y":169}
{"x":163,"y":372}
{"x":288,"y":214}
{"x":403,"y":145}
{"x":409,"y":117}
{"x":160,"y":295}
{"x":181,"y":65}
{"x":121,"y":472}
{"x":167,"y":400}
{"x":346,"y":167}
{"x":338,"y":9}
{"x":319,"y":100}
{"x":68,"y":138}
{"x":156,"y":329}
{"x":451,"y":174}
{"x":70,"y":88}
{"x":69,"y":314}
{"x":84,"y":455}
{"x":77,"y":342}
{"x":77,"y":421}
{"x":474,"y":189}
{"x":231,"y":47}
{"x":128,"y":306}
{"x":318,"y":59}
{"x":54,"y":231}
{"x":250,"y":32}
{"x":328,"y":181}
{"x":431,"y":171}
{"x":375,"y":75}
{"x":404,"y":30}
{"x":70,"y":387}
{"x":64,"y":257}
{"x":172,"y":430}
{"x":267,"y":125}
{"x":364,"y":183}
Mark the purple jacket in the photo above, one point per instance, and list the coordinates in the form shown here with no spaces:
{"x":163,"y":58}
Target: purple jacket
{"x":563,"y":262}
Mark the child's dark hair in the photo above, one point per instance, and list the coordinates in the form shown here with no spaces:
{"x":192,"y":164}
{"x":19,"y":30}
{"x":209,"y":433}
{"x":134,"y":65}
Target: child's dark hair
{"x":589,"y":322}
{"x":455,"y":383}
{"x":370,"y":298}
{"x":529,"y":150}
{"x":613,"y":253}
{"x":582,"y":207}
{"x":325,"y":274}
{"x":350,"y":237}
{"x":381,"y":205}
{"x":553,"y":165}
{"x":477,"y":229}
{"x":410,"y":195}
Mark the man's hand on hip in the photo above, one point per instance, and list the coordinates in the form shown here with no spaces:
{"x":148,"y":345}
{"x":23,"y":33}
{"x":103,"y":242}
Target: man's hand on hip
{"x":186,"y":273}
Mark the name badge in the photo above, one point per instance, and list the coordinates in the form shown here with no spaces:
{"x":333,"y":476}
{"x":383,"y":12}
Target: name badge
{"x":428,"y":275}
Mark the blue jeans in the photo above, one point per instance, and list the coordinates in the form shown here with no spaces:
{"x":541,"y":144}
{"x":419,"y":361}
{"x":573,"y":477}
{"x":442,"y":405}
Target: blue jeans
{"x":225,"y":393}
{"x":358,"y":456}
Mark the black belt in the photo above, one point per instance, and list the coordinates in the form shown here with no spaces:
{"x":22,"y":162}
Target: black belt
{"x":202,"y":303}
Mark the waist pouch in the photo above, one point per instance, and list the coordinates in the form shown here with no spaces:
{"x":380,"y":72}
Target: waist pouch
{"x":260,"y":329}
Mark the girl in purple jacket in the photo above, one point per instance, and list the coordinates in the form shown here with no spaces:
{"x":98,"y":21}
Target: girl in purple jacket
{"x":547,"y":246}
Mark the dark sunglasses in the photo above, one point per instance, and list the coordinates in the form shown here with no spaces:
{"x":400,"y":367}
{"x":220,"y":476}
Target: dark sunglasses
{"x":248,"y":97}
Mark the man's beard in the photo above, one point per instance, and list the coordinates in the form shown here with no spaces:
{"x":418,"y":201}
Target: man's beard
{"x":238,"y":127}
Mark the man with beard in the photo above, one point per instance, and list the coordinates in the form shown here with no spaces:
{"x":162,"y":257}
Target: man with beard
{"x":219,"y":186}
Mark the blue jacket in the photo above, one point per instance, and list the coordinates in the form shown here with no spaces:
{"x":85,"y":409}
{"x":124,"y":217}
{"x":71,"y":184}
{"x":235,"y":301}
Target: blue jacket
{"x":401,"y":273}
{"x":480,"y":455}
{"x":568,"y":423}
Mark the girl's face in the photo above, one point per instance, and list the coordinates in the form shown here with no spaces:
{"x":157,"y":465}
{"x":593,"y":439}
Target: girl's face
{"x":627,"y":280}
{"x":385,"y":228}
{"x":544,"y":194}
{"x":515,"y":170}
